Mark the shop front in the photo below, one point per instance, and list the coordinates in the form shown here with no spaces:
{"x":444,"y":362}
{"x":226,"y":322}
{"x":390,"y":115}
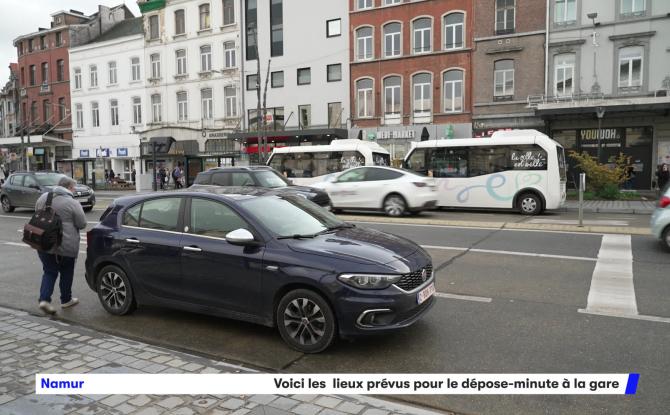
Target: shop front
{"x":36,"y":153}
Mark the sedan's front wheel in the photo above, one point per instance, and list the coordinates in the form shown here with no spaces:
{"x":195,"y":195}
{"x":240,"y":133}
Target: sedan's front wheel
{"x":114,"y":291}
{"x":394,"y":205}
{"x":665,"y":238}
{"x":305,"y":321}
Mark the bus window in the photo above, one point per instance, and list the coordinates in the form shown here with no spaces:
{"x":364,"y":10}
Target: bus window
{"x":380,"y":159}
{"x":488,"y":160}
{"x":351,"y":159}
{"x":560,"y":152}
{"x":417,"y":161}
{"x":449,"y":162}
{"x":528,"y":157}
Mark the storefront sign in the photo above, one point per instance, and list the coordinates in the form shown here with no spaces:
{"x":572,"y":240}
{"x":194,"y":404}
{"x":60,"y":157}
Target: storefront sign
{"x":29,"y":151}
{"x":607,"y":134}
{"x":122,"y":152}
{"x":102,"y":152}
{"x":83,"y":153}
{"x":396,"y":134}
{"x":488,"y":132}
{"x":39,"y":151}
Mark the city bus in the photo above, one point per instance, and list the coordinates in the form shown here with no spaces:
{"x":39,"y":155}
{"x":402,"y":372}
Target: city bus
{"x":304,"y":165}
{"x":518,"y":169}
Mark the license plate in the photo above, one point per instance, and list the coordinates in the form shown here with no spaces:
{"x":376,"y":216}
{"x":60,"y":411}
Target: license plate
{"x":425,"y":294}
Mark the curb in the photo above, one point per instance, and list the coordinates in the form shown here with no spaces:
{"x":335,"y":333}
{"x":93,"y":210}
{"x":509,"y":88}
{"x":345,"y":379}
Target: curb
{"x":643,"y":211}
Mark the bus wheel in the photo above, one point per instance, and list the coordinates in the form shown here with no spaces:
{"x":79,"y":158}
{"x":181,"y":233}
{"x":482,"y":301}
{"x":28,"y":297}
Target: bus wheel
{"x":394,"y":205}
{"x":529,"y":204}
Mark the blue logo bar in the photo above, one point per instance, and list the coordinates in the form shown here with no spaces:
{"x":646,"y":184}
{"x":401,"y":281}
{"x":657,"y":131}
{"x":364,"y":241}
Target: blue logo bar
{"x":631,"y":387}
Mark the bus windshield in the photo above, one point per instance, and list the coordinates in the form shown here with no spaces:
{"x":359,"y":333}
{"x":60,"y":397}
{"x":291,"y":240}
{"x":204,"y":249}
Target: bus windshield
{"x":560,"y":152}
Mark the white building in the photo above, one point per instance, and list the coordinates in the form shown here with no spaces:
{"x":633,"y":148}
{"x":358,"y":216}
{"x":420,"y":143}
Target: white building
{"x":306,"y":43}
{"x":108,"y":101}
{"x":192,"y":60}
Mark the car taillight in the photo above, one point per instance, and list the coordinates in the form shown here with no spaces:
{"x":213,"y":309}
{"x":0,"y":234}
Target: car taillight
{"x":419,"y":184}
{"x":664,"y":202}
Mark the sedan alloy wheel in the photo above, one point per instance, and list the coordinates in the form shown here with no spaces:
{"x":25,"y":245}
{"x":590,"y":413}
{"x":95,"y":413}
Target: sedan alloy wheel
{"x":305,"y":321}
{"x":114,"y":291}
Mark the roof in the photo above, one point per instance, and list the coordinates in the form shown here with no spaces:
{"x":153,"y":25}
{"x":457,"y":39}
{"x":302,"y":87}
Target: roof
{"x":124,"y":28}
{"x":240,"y":168}
{"x":226,"y":192}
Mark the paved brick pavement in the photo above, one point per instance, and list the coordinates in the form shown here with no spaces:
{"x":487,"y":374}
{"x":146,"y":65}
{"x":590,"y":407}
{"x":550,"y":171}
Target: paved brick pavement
{"x":32,"y":344}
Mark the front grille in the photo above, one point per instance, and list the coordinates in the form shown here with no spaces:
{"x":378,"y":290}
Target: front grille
{"x":410,"y":281}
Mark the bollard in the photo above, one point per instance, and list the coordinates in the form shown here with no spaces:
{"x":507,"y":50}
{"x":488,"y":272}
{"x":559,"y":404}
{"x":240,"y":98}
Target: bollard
{"x":582,"y":187}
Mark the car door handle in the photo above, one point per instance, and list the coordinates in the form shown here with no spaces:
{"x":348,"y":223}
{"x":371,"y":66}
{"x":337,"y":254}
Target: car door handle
{"x":133,"y":240}
{"x":192,"y":249}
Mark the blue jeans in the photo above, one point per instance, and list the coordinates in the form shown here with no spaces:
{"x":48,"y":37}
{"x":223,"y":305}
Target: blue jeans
{"x":52,"y":265}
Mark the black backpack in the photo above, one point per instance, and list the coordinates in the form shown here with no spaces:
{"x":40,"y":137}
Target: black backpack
{"x":45,"y":229}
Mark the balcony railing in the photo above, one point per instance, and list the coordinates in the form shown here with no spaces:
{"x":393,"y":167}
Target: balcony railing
{"x":44,"y":88}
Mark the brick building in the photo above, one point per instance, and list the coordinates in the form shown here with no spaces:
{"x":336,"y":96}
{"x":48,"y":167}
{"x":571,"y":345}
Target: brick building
{"x":508,"y":64}
{"x":44,"y":103}
{"x":410,"y":71}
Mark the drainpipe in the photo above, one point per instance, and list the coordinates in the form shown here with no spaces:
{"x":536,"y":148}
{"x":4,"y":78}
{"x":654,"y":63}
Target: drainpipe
{"x":243,"y":57}
{"x":546,"y":51}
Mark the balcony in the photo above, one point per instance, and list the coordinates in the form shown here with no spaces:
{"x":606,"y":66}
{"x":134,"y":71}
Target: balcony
{"x":582,"y":103}
{"x":151,"y":5}
{"x":45,"y":88}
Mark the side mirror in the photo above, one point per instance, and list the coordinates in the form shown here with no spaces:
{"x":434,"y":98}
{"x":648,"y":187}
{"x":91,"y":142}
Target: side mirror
{"x":241,"y":237}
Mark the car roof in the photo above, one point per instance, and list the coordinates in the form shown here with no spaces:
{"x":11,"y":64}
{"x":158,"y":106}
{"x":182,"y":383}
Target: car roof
{"x":236,"y":169}
{"x":231,"y":193}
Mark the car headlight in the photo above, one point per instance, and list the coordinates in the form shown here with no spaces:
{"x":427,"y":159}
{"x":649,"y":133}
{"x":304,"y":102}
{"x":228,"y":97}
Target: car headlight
{"x":369,"y":281}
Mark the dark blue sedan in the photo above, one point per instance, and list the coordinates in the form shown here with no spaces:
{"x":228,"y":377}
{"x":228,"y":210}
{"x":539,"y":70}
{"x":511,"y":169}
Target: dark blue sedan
{"x":260,"y":256}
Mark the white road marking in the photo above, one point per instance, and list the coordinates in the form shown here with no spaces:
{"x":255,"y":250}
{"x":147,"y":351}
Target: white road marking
{"x":628,"y":316}
{"x":612,"y":290}
{"x":497,"y":252}
{"x":420,"y":225}
{"x":464,"y":297}
{"x":22,"y":245}
{"x":576,"y":222}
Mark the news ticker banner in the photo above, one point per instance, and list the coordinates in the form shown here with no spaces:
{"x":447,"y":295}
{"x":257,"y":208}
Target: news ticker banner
{"x":361,"y":384}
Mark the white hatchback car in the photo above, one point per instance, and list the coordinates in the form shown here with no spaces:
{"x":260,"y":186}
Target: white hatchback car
{"x":391,"y":190}
{"x":660,"y":220}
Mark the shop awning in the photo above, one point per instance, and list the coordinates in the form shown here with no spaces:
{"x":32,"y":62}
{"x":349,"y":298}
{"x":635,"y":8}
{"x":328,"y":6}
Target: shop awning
{"x":335,"y":133}
{"x":611,"y":105}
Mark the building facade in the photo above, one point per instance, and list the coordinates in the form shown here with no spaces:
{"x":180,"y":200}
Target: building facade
{"x":295,"y":69}
{"x":8,"y":101}
{"x":609,"y":81}
{"x":192,"y":76}
{"x":508,"y":64}
{"x":411,"y":74}
{"x":44,"y":79}
{"x":108,"y":104}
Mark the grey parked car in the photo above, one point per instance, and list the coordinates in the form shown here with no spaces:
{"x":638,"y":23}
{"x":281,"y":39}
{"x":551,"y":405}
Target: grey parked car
{"x":23,"y":189}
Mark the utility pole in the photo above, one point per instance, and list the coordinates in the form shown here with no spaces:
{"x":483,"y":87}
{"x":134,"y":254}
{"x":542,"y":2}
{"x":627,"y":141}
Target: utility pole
{"x":265,"y":109}
{"x":259,"y":115}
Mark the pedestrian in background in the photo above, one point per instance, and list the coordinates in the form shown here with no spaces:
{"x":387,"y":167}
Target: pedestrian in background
{"x":662,"y":176}
{"x":133,"y":174}
{"x":161,"y":178}
{"x":60,"y":261}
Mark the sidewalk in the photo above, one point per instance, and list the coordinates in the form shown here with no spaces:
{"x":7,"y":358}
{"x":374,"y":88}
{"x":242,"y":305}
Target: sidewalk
{"x":634,"y":207}
{"x":31,"y":344}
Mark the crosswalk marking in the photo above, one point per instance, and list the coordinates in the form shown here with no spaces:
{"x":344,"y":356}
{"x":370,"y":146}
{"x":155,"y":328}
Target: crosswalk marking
{"x":595,"y":222}
{"x":612,"y":289}
{"x":516,"y":253}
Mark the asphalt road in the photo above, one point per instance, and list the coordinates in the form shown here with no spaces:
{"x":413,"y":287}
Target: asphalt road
{"x":510,"y":303}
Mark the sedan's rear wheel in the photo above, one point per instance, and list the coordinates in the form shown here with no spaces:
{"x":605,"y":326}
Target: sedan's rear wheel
{"x":665,"y":238}
{"x":114,"y":291}
{"x":305,"y":321}
{"x":7,"y":205}
{"x":394,"y":205}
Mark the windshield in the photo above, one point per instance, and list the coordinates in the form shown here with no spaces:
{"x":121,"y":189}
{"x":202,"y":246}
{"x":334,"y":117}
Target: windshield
{"x":290,"y":215}
{"x":271,"y":179}
{"x":49,"y":179}
{"x":561,"y":162}
{"x":381,"y":159}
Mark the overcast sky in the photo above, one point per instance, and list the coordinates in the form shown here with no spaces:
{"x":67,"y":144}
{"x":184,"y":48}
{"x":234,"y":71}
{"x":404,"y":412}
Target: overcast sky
{"x":20,"y":17}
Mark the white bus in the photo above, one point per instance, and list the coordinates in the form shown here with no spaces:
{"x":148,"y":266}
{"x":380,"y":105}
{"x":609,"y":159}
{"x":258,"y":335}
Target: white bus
{"x":310,"y":164}
{"x":518,"y":169}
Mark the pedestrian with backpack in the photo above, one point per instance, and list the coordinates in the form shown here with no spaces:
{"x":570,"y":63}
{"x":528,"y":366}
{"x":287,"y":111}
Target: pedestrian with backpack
{"x":60,"y":259}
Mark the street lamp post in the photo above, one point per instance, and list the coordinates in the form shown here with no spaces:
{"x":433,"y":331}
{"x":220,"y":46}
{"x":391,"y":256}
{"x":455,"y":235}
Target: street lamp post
{"x":600,"y":113}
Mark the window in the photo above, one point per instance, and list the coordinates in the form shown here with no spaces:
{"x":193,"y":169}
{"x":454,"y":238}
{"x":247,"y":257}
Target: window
{"x":250,"y":30}
{"x":364,"y":4}
{"x":137,"y":110}
{"x":31,"y":45}
{"x":390,"y":2}
{"x":453,"y":31}
{"x":46,"y":111}
{"x":334,"y":72}
{"x":453,"y":91}
{"x":132,"y":216}
{"x":59,"y":39}
{"x":95,"y":114}
{"x":204,"y":16}
{"x":93,"y":72}
{"x":505,"y":11}
{"x":442,"y":162}
{"x":230,"y":95}
{"x":228,"y":12}
{"x":156,"y":108}
{"x":277,"y":79}
{"x":276,"y":27}
{"x":229,"y":55}
{"x":333,"y":27}
{"x":503,"y":78}
{"x":154,"y":31}
{"x":421,"y":30}
{"x":79,"y":113}
{"x":356,"y":175}
{"x":207,"y":104}
{"x":33,"y":111}
{"x":305,"y":115}
{"x":421,"y":85}
{"x":179,"y":22}
{"x":155,"y":60}
{"x":135,"y":69}
{"x":565,"y":11}
{"x":60,"y":70}
{"x":314,"y":164}
{"x":252,"y":82}
{"x":633,"y":7}
{"x":43,"y":42}
{"x":205,"y":58}
{"x":180,"y":56}
{"x":77,"y":78}
{"x":392,"y":40}
{"x":364,"y":103}
{"x":334,"y":114}
{"x":304,"y":76}
{"x":364,"y":43}
{"x":112,"y":73}
{"x":45,"y":72}
{"x":182,"y":106}
{"x":373,"y":175}
{"x":114,"y":111}
{"x":392,"y":104}
{"x":62,"y":110}
{"x":630,"y":67}
{"x":159,"y":214}
{"x":564,"y":72}
{"x":210,"y":218}
{"x":33,"y":75}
